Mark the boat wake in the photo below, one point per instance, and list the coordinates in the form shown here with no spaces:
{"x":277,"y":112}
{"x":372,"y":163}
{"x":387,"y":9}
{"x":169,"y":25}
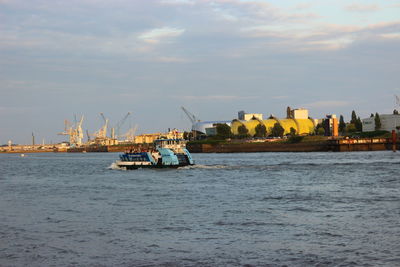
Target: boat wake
{"x":199,"y":166}
{"x":114,"y":166}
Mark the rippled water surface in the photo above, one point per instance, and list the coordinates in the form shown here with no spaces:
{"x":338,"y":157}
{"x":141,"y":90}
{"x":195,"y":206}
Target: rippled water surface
{"x":261,"y":209}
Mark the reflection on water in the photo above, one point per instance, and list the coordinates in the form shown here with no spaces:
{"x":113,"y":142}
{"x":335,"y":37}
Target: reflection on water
{"x":274,"y":209}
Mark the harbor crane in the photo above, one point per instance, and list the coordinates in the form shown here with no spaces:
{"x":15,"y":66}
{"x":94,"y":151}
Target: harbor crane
{"x":119,"y":124}
{"x":74,"y":132}
{"x":130,"y":134}
{"x":193,"y":119}
{"x":102,"y":132}
{"x":88,"y":135}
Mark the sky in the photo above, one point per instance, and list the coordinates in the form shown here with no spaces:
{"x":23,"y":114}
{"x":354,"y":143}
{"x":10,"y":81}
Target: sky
{"x":60,"y":59}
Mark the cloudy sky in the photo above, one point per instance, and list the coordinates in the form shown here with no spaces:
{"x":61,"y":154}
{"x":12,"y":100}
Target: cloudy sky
{"x":64,"y":58}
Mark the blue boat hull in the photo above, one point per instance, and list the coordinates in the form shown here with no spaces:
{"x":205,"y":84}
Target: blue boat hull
{"x":152,"y":166}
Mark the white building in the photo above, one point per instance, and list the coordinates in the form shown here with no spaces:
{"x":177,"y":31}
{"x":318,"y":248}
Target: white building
{"x":389,"y":122}
{"x":243,"y":116}
{"x":300,"y":113}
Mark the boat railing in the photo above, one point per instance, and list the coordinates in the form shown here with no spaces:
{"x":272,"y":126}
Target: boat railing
{"x":170,"y":143}
{"x":134,"y":157}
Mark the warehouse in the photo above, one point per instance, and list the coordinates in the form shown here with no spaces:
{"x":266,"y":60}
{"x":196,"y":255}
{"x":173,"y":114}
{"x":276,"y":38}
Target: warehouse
{"x":297,"y":119}
{"x":389,"y":122}
{"x":302,"y":126}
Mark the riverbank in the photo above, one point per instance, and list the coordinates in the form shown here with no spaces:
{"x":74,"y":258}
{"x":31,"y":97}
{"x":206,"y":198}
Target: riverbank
{"x":336,"y":145}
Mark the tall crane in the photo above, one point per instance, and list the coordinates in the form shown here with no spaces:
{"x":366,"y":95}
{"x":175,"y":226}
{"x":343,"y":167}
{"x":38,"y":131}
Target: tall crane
{"x":88,"y":135}
{"x":74,"y":132}
{"x":130,"y":135}
{"x":79,"y":132}
{"x":102,"y":132}
{"x":193,"y":119}
{"x":119,"y":124}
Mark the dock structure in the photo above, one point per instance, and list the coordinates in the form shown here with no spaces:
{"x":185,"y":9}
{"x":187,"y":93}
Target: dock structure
{"x":363,"y":144}
{"x":333,"y":145}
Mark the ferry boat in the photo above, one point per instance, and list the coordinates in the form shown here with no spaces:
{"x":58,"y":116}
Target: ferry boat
{"x":167,"y":153}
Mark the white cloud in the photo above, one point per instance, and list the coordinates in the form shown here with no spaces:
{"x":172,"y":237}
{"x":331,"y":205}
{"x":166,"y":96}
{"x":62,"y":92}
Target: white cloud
{"x":156,"y":35}
{"x":395,"y":35}
{"x":330,"y":44}
{"x":320,"y":36}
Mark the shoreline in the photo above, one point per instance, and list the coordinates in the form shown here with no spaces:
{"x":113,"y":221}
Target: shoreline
{"x":336,"y":145}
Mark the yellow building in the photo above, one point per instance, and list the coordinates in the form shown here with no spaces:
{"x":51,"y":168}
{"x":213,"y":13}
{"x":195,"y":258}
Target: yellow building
{"x":146,"y":138}
{"x":302,"y":126}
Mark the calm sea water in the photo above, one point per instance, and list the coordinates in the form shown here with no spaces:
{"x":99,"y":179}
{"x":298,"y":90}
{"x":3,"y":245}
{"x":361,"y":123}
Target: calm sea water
{"x":250,"y":209}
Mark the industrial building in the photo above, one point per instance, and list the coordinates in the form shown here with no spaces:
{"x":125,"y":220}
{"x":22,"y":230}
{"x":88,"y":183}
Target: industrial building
{"x":389,"y":122}
{"x":243,"y":116}
{"x":299,"y":113}
{"x":297,"y":119}
{"x":330,"y":125}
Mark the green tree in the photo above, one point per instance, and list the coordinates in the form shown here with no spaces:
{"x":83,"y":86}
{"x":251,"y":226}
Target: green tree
{"x":358,"y":125}
{"x":351,"y":128}
{"x":261,"y":130}
{"x":320,"y":131}
{"x":342,"y":124}
{"x":356,"y":121}
{"x":277,"y":130}
{"x":395,"y":112}
{"x":223,"y":131}
{"x":378,"y":124}
{"x":353,"y":117}
{"x":292,"y":131}
{"x":243,"y":132}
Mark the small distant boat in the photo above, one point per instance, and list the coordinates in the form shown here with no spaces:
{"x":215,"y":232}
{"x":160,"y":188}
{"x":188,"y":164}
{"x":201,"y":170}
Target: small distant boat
{"x":22,"y":155}
{"x":167,"y":153}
